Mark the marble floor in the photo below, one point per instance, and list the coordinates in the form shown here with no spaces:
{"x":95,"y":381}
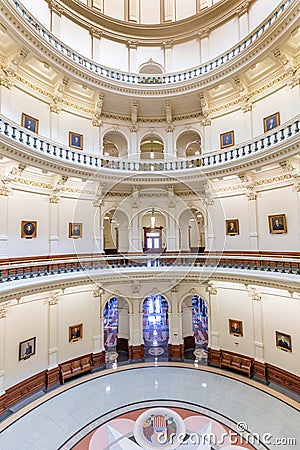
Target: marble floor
{"x":65,"y":416}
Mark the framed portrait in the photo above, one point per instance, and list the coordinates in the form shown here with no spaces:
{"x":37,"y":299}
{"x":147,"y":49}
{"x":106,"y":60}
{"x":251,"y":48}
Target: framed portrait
{"x":27,"y":348}
{"x":30,"y":123}
{"x":235,"y":327}
{"x":28,"y":229}
{"x":277,"y":224}
{"x":75,"y":230}
{"x":271,"y":122}
{"x":75,"y":140}
{"x":75,"y":332}
{"x":232,"y":227}
{"x":227,"y":139}
{"x":283,"y":341}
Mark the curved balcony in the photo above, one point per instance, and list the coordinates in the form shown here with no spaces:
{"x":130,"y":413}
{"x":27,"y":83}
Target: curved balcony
{"x":194,"y":74}
{"x":38,"y":274}
{"x":39,"y":147}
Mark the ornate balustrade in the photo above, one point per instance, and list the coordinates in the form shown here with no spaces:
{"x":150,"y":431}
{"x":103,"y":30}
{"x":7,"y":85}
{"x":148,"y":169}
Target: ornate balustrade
{"x":138,"y":79}
{"x":43,"y":268}
{"x":43,"y":146}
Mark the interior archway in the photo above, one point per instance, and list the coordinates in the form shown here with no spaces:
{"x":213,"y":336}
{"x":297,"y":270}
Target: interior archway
{"x":155,"y":327}
{"x":189,"y":144}
{"x":114,"y":144}
{"x":152,"y":148}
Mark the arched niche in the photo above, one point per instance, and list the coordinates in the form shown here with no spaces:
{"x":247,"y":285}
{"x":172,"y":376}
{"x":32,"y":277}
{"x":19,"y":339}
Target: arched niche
{"x":188,"y":144}
{"x":150,"y":67}
{"x":192,"y":230}
{"x":114,"y":144}
{"x":152,"y":147}
{"x":155,"y":326}
{"x":115,"y":232}
{"x":116,"y":326}
{"x":154,"y":231}
{"x":195,"y":327}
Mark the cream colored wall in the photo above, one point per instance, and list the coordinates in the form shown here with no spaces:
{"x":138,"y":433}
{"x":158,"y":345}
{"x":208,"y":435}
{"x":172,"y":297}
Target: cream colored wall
{"x":57,"y":126}
{"x":33,"y":317}
{"x":115,"y":54}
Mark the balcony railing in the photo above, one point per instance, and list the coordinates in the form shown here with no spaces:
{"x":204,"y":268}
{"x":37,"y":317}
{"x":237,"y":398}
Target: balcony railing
{"x":44,"y":268}
{"x":138,"y":79}
{"x":43,"y":146}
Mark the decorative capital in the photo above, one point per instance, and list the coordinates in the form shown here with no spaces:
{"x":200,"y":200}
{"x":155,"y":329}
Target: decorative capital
{"x":54,"y":199}
{"x":170,"y":129}
{"x":204,"y":32}
{"x":53,"y":301}
{"x":96,"y":33}
{"x":134,"y":129}
{"x":252,"y":196}
{"x":255,"y":295}
{"x":3,"y":312}
{"x":55,"y":7}
{"x":98,"y":292}
{"x":132,"y":44}
{"x":206,"y":122}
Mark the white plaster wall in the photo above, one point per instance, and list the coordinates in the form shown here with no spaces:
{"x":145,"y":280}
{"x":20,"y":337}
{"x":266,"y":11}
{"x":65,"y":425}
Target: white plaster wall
{"x":75,"y":36}
{"x":73,"y":309}
{"x":82,"y":211}
{"x":40,"y":11}
{"x":114,"y":8}
{"x":31,"y":207}
{"x":113,"y":54}
{"x":279,"y":201}
{"x":23,"y":322}
{"x":235,"y":207}
{"x":78,"y":124}
{"x":259,"y":10}
{"x":185,"y":9}
{"x":223,"y":38}
{"x":185,"y":55}
{"x":149,"y":11}
{"x":235,"y":303}
{"x":281,"y":314}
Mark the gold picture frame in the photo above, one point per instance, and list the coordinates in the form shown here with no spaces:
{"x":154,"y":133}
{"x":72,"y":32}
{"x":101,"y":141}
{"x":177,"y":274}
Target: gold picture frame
{"x":75,"y":332}
{"x":232,"y":227}
{"x":283,"y":341}
{"x":75,"y":230}
{"x":235,"y":327}
{"x":30,"y":123}
{"x":271,"y":122}
{"x":277,"y":224}
{"x":28,"y":229}
{"x":227,"y":139}
{"x":75,"y":140}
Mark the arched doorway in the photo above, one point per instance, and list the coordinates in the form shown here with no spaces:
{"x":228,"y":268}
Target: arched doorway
{"x":152,"y":148}
{"x":155,"y":327}
{"x":188,"y":144}
{"x":154,"y":228}
{"x":195,"y":328}
{"x":114,"y":144}
{"x":116,"y":327}
{"x":115,"y":232}
{"x":192,"y":231}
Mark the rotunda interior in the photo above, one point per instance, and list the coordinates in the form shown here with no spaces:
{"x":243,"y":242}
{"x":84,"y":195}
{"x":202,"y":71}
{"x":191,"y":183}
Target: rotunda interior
{"x":149,"y":223}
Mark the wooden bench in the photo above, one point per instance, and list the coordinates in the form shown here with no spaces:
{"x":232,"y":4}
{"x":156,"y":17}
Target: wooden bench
{"x":73,"y":368}
{"x":238,"y":363}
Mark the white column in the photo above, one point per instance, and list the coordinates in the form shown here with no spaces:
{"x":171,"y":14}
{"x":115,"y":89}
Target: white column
{"x":98,"y":334}
{"x":56,"y":12}
{"x":185,"y":238}
{"x":170,"y":149}
{"x":96,"y":44}
{"x":54,"y":127}
{"x":253,"y":221}
{"x":53,"y":332}
{"x":258,"y":327}
{"x":3,"y":223}
{"x":5,"y":100}
{"x":54,"y":233}
{"x":136,"y":326}
{"x":172,"y":241}
{"x":167,"y":46}
{"x":98,"y":229}
{"x":243,"y":22}
{"x":132,"y":56}
{"x":134,"y":12}
{"x":204,"y":45}
{"x":133,"y":150}
{"x":3,"y":311}
{"x":135,"y":240}
{"x":169,"y":11}
{"x":96,"y":141}
{"x":213,"y":334}
{"x":205,"y":3}
{"x":210,"y":234}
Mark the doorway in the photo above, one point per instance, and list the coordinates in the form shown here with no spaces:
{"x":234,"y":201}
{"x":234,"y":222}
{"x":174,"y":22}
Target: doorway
{"x":155,"y":327}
